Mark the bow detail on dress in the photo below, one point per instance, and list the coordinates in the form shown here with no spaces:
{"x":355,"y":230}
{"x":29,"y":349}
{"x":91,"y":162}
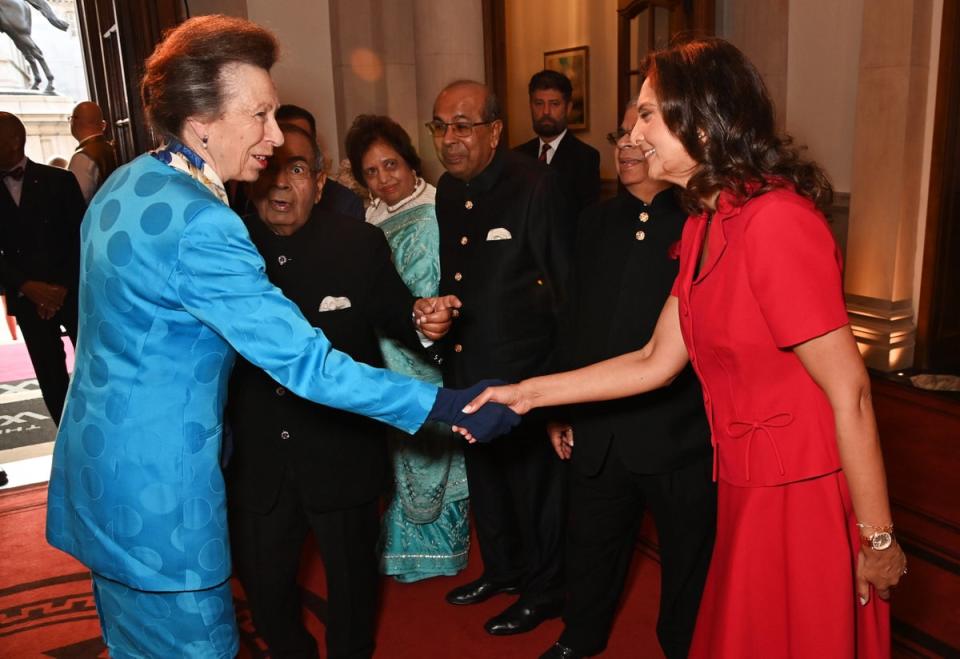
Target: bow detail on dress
{"x":748,"y":429}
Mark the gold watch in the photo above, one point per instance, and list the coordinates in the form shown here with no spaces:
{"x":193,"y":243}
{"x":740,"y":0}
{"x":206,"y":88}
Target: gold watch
{"x":880,"y":539}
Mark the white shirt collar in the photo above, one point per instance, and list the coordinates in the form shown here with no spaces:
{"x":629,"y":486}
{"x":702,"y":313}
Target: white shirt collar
{"x":554,"y":142}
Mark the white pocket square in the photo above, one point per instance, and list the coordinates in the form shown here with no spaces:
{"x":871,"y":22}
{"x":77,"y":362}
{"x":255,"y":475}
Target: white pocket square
{"x":498,"y":234}
{"x":331,"y":303}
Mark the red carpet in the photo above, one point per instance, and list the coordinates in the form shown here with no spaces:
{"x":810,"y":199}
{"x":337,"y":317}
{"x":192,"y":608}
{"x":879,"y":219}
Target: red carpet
{"x":46,"y":608}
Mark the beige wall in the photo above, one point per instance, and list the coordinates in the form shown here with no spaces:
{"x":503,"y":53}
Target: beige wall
{"x":228,"y":7}
{"x":760,"y":28}
{"x":823,"y":54}
{"x":535,"y":26}
{"x":304,"y":74}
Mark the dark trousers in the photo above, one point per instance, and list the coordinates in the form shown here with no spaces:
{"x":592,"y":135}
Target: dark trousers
{"x":605,"y":515}
{"x":266,"y":553}
{"x":46,"y":351}
{"x":517,"y":494}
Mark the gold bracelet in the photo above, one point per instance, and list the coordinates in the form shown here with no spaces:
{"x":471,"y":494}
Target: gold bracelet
{"x":887,"y":528}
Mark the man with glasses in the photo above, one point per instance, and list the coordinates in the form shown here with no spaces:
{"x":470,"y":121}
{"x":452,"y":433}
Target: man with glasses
{"x":577,"y":164}
{"x":650,"y":451}
{"x":298,"y":466}
{"x":504,"y":245}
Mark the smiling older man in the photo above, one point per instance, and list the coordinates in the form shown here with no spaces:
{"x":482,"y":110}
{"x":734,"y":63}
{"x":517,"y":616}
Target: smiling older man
{"x":504,"y":243}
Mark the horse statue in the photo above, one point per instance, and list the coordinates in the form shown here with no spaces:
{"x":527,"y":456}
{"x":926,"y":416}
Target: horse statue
{"x":17,"y":22}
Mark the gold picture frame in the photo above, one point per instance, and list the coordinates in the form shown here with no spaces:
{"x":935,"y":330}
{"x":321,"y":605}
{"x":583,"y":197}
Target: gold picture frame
{"x":575,"y":64}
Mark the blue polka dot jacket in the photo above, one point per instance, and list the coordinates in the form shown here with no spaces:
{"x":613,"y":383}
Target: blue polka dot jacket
{"x":171,"y":288}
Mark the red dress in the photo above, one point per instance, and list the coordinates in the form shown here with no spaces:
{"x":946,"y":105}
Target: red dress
{"x":782,"y":577}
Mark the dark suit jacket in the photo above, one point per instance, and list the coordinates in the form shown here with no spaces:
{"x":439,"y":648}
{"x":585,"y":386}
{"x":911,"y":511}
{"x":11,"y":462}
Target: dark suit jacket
{"x":618,"y":286}
{"x":338,"y":198}
{"x":336,"y":458}
{"x":578,"y":167}
{"x":40,"y":239}
{"x":511,"y":289}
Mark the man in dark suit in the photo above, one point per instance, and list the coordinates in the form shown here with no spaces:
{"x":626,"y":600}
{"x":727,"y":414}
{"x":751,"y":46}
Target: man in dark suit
{"x":504,"y":252}
{"x":576,"y":163}
{"x":650,"y":451}
{"x":298,"y":466}
{"x":41,"y":209}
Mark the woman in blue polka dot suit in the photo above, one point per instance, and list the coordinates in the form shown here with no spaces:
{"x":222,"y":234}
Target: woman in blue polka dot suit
{"x":171,"y":287}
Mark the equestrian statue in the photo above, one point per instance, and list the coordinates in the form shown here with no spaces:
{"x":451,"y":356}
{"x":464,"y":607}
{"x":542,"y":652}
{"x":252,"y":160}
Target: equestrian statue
{"x":17,"y":22}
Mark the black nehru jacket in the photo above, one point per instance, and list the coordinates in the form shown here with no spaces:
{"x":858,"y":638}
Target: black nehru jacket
{"x":577,"y":165}
{"x":625,"y":262}
{"x":337,"y":459}
{"x":504,"y":251}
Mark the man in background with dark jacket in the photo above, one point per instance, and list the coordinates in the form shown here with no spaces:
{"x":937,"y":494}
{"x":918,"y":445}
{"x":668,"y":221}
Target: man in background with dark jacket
{"x":577,"y":164}
{"x":41,"y":208}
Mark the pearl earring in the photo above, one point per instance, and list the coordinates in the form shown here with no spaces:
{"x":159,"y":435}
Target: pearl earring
{"x":205,"y":139}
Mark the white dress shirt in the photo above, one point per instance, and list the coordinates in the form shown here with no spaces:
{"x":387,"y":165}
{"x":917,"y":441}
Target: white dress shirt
{"x":87,"y":173}
{"x":554,"y":143}
{"x":14,"y":186}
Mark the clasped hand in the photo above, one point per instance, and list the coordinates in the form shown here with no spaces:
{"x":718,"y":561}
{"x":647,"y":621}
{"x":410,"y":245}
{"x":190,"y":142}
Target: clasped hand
{"x":48,"y":298}
{"x":434,"y":315}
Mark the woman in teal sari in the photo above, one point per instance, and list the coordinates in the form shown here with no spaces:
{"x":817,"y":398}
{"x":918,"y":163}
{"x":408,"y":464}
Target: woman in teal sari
{"x":426,"y":532}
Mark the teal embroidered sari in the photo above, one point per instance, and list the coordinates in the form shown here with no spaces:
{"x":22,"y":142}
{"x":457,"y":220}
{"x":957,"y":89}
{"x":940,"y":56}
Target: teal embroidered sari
{"x":425,"y":529}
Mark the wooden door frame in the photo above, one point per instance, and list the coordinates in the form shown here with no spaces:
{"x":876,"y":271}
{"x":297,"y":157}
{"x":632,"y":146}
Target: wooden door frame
{"x":944,"y":163}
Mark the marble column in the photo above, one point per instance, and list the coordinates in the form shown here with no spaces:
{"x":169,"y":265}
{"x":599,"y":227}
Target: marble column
{"x":886,"y":181}
{"x":449,"y":46}
{"x":393,"y":56}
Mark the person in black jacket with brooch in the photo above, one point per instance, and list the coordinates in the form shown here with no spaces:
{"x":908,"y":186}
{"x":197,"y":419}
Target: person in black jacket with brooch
{"x":298,"y":466}
{"x":646,"y":452}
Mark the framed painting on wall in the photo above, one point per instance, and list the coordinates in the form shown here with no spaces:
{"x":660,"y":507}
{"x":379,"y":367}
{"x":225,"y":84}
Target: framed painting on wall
{"x":575,"y":64}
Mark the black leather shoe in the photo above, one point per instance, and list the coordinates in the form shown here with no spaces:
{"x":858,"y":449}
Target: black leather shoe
{"x":480,"y":591}
{"x":521,"y":617}
{"x":3,"y":478}
{"x":560,"y":651}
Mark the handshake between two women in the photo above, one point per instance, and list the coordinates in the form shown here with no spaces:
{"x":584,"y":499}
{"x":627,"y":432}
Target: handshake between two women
{"x":433,"y":318}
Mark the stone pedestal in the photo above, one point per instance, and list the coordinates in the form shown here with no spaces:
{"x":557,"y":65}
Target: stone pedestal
{"x":47,"y":120}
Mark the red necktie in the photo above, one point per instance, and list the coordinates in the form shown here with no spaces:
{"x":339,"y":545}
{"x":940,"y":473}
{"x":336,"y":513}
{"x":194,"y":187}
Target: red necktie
{"x":17,"y":174}
{"x":543,"y":152}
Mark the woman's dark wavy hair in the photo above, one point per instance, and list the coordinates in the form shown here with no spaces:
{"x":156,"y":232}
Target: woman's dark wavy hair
{"x":370,"y":128}
{"x":183,"y":75}
{"x":714,"y":101}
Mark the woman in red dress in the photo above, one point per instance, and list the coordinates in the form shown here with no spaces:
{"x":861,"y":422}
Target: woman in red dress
{"x":805,"y":555}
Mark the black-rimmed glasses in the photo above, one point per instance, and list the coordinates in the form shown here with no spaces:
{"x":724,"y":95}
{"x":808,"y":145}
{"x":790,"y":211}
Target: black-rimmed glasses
{"x":438,"y":128}
{"x":617,"y":135}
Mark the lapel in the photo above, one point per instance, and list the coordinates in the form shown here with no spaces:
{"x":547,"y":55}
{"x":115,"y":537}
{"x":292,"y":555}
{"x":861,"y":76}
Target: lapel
{"x":31,"y":193}
{"x":8,"y":209}
{"x":559,"y":157}
{"x":726,"y":210}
